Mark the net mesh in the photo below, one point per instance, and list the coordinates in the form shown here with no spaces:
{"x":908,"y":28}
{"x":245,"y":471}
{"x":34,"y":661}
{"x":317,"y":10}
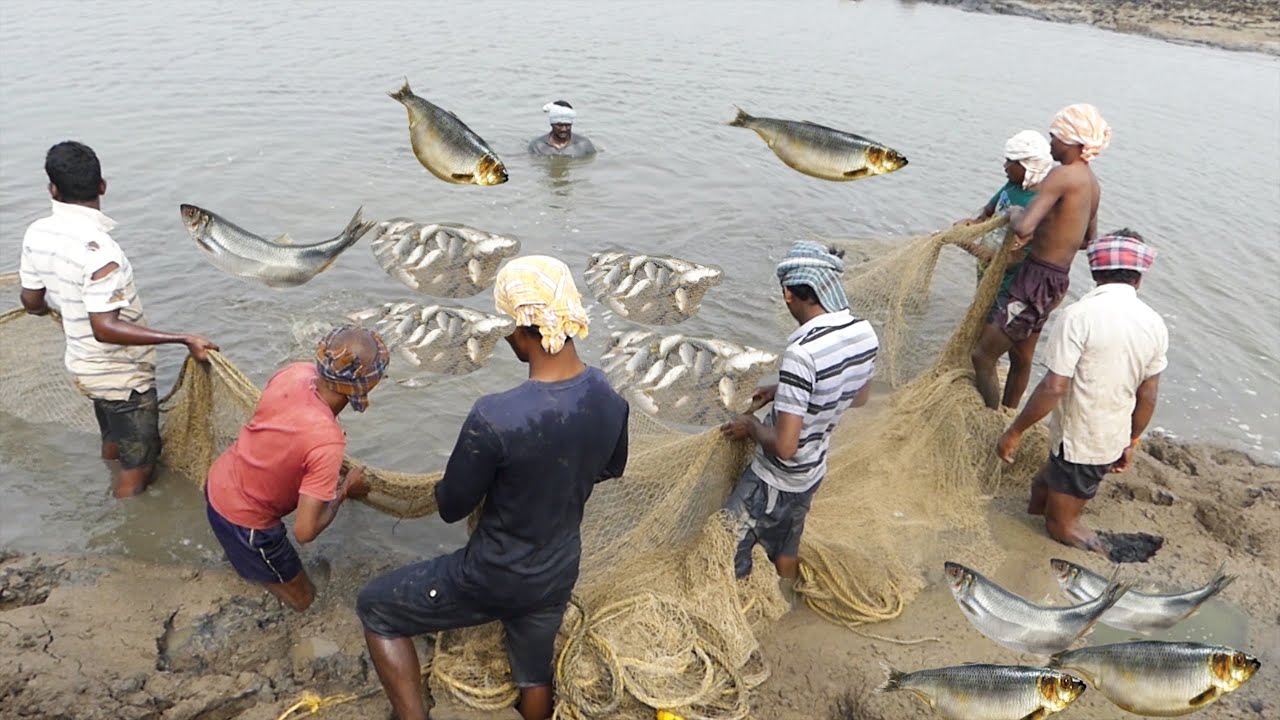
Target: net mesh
{"x":658,"y":619}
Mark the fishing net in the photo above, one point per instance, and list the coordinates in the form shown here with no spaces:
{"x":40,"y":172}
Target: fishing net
{"x":658,"y":619}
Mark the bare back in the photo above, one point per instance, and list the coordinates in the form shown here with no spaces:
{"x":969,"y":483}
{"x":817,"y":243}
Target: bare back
{"x":1064,"y":213}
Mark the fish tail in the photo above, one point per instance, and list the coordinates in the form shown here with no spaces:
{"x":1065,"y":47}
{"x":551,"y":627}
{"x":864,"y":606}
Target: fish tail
{"x":741,"y":119}
{"x":1112,"y":593}
{"x":403,"y":93}
{"x":1055,"y":660}
{"x":893,"y":681}
{"x":1220,"y":581}
{"x":357,"y":227}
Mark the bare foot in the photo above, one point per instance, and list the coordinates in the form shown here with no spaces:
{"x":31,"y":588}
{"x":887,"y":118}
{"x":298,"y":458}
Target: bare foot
{"x":1080,"y":537}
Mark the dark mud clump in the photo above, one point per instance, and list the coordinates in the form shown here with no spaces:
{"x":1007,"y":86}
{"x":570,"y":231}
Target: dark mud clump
{"x":1131,"y":547}
{"x":27,"y":582}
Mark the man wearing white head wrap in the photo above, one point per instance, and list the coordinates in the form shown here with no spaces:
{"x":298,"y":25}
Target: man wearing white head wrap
{"x":561,"y":141}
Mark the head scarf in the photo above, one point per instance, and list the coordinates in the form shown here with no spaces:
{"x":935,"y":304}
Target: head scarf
{"x":347,"y":372}
{"x":1118,"y":252}
{"x":808,"y":263}
{"x":1082,"y":124}
{"x":1032,"y":150}
{"x":538,"y":290}
{"x":559,"y":114}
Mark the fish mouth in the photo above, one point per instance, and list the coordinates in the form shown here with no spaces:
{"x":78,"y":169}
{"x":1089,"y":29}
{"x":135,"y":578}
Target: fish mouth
{"x":192,"y":216}
{"x":1065,"y":571}
{"x":957,"y":575}
{"x":492,"y":171}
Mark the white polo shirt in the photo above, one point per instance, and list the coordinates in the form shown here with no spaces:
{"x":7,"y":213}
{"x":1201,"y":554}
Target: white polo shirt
{"x":60,"y":254}
{"x":1108,"y":343}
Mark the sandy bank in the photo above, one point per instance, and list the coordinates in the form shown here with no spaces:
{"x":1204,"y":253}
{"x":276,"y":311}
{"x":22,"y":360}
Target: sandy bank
{"x":1249,"y":25}
{"x":92,"y":638}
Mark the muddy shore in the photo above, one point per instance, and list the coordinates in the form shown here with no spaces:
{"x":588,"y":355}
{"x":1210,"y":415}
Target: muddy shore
{"x":1247,"y":25}
{"x":98,"y":637}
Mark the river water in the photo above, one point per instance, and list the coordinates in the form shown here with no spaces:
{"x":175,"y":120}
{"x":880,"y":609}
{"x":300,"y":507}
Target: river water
{"x":275,"y":115}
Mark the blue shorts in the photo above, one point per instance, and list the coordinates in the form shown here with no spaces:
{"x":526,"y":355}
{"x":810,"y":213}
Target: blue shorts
{"x":262,"y":556}
{"x":768,"y":516}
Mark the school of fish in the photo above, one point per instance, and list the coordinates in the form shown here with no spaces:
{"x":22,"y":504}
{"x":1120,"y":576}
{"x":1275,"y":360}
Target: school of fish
{"x":438,"y":338}
{"x":650,"y":289}
{"x":441,"y":259}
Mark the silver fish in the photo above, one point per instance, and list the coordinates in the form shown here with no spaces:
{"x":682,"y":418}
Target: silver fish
{"x":988,"y":692}
{"x":275,"y":263}
{"x":441,"y":259}
{"x":1162,"y":679}
{"x":435,"y":338}
{"x":1017,"y":624}
{"x":446,"y":146}
{"x":820,"y":151}
{"x":649,"y":289}
{"x":1137,"y":611}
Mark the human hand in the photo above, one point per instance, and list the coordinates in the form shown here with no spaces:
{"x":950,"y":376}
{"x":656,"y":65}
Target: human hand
{"x":1122,"y":464}
{"x":1007,"y":446}
{"x":763,"y":396}
{"x":738,"y":428}
{"x":199,"y":347}
{"x":357,"y":486}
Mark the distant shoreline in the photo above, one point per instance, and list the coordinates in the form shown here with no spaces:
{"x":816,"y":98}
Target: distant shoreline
{"x":1239,"y":25}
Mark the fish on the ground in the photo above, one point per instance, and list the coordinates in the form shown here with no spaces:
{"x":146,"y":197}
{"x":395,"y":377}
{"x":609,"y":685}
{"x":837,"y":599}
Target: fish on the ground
{"x":441,"y":259}
{"x":988,"y":692}
{"x":1162,"y":679}
{"x":438,"y":338}
{"x":650,"y":289}
{"x":275,"y":263}
{"x":446,"y":146}
{"x":683,"y":379}
{"x":1018,"y":624}
{"x":820,"y":151}
{"x":1138,"y":611}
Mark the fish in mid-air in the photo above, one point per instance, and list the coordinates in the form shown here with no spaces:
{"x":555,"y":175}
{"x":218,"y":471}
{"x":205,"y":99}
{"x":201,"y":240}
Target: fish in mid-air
{"x":1018,"y":624}
{"x":274,"y":263}
{"x":446,"y":146}
{"x":435,"y":338}
{"x":1137,"y":611}
{"x":650,"y":289}
{"x":988,"y":692}
{"x":691,"y":380}
{"x":1160,"y":679}
{"x":820,"y":151}
{"x":441,"y":259}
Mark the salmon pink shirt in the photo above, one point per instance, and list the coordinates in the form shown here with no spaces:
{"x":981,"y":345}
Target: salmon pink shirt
{"x":292,"y":446}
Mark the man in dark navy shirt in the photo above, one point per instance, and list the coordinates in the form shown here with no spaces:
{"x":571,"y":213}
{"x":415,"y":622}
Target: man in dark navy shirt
{"x":532,"y":454}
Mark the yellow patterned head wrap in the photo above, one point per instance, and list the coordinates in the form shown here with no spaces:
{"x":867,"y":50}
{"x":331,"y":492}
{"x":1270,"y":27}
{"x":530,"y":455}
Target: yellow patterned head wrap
{"x":538,"y":290}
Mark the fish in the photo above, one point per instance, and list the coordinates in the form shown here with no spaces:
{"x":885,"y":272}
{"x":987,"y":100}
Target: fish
{"x":440,"y":259}
{"x":277,"y":263}
{"x":820,"y":151}
{"x":988,"y":692}
{"x":1160,"y":679}
{"x":1017,"y":624}
{"x":698,"y":381}
{"x":446,"y":146}
{"x":443,"y":339}
{"x":650,"y":289}
{"x":1138,"y":611}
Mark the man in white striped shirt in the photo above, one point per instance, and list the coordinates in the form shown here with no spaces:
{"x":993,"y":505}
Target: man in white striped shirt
{"x":70,"y":262}
{"x":826,"y":370}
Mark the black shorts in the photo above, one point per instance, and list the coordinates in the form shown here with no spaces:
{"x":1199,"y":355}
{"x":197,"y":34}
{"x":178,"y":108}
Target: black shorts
{"x":133,"y":425}
{"x":262,"y":556}
{"x":1068,"y":478}
{"x":777,"y":528}
{"x":422,"y":598}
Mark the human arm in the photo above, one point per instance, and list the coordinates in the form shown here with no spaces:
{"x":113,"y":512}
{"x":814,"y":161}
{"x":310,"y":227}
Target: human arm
{"x":1091,"y":232}
{"x":103,"y":301}
{"x":1143,"y":408}
{"x":617,"y":464}
{"x":33,"y":301}
{"x":780,"y":441}
{"x":1061,"y":355}
{"x":790,"y":403}
{"x":322,"y":491}
{"x":33,"y":291}
{"x":470,"y":471}
{"x":1025,"y":220}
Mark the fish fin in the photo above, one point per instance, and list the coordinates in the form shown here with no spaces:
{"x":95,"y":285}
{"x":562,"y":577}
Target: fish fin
{"x":357,"y":228}
{"x":283,"y":240}
{"x":463,"y":177}
{"x":859,"y":173}
{"x":892,"y":682}
{"x":1037,"y":714}
{"x":1205,"y":697}
{"x":1219,"y":582}
{"x":1112,"y":593}
{"x":403,"y":93}
{"x":741,"y":119}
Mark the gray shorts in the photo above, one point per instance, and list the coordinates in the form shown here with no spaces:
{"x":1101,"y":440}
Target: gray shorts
{"x":133,"y":425}
{"x":1078,"y":481}
{"x":421,"y":598}
{"x":768,"y":516}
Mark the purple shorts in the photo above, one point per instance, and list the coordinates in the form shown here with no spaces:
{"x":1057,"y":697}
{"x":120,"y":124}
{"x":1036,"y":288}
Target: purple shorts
{"x":262,"y":556}
{"x":1036,"y":290}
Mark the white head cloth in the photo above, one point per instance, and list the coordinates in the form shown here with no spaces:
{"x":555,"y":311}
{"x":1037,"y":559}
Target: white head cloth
{"x":559,"y":113}
{"x":1032,"y":150}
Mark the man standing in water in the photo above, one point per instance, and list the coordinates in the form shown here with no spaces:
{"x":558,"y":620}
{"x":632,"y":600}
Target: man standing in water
{"x":289,"y":457}
{"x":561,"y":141}
{"x":70,"y":262}
{"x":1104,"y":359}
{"x":1062,"y":219}
{"x":533,"y":454}
{"x":826,"y":370}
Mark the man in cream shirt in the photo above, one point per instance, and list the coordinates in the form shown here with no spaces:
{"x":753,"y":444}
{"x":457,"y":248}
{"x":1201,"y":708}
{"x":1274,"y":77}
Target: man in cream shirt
{"x":1104,"y":360}
{"x":70,"y":262}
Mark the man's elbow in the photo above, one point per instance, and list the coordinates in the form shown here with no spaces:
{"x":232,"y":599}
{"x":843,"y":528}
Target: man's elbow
{"x":304,"y":535}
{"x":786,"y":452}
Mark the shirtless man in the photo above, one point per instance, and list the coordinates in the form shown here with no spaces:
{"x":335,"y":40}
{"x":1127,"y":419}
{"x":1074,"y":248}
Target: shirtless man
{"x":1061,"y":221}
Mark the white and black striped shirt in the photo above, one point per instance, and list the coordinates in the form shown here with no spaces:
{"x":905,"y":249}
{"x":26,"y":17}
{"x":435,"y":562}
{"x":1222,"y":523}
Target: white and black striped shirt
{"x":827,"y":362}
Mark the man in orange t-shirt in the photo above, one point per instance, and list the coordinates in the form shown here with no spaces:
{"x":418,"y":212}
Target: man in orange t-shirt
{"x":289,"y":456}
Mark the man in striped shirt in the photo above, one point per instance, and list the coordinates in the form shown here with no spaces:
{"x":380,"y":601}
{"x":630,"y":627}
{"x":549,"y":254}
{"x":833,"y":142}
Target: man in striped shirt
{"x":70,"y":262}
{"x":826,"y":370}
